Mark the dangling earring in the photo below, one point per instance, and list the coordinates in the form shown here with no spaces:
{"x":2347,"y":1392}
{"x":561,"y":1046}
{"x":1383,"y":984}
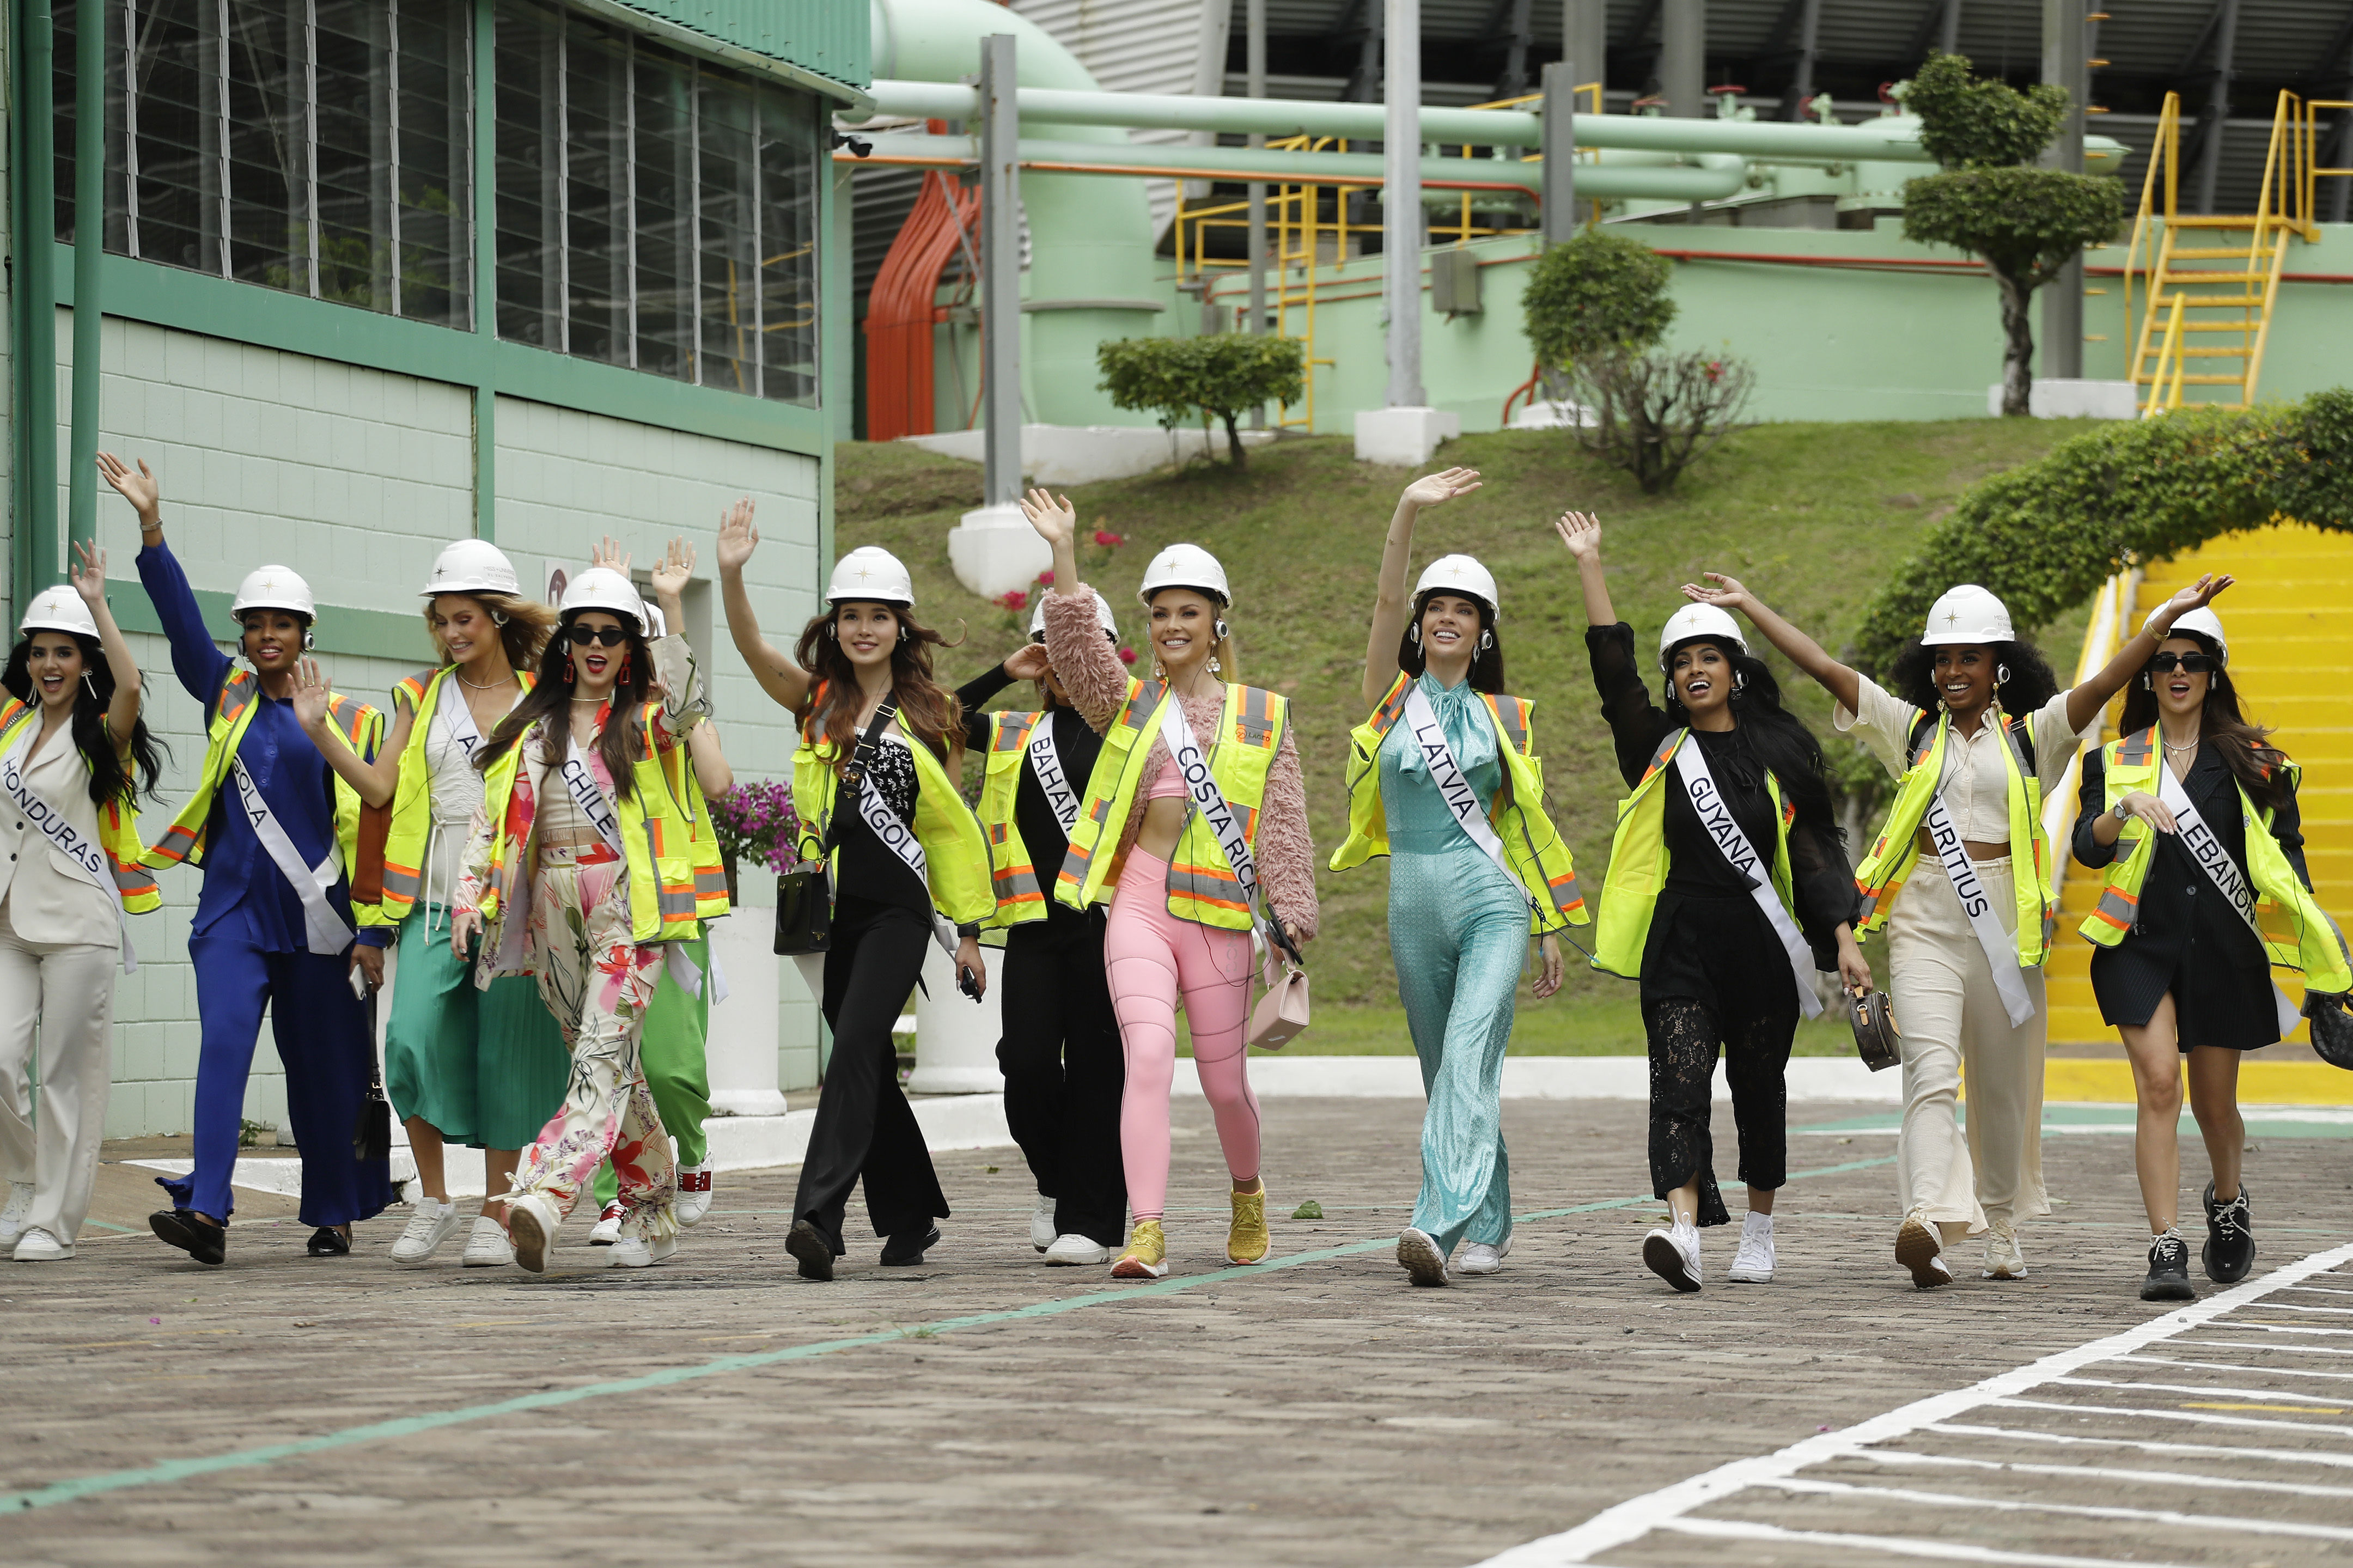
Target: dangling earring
{"x":903,"y":632}
{"x":1157,"y":673}
{"x":622,"y":678}
{"x":2148,"y":682}
{"x":1215,"y":668}
{"x":90,"y":684}
{"x":569,"y":679}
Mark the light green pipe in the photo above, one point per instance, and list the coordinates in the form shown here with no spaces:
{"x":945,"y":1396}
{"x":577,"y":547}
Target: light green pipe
{"x":1089,"y":239}
{"x":89,"y":248}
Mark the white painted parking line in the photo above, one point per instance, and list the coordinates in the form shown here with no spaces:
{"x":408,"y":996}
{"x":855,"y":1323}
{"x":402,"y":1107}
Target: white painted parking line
{"x":2333,"y":1404}
{"x":2164,"y":1516}
{"x":1906,"y":1546}
{"x":2145,"y":1445}
{"x":1896,"y":1460}
{"x":2276,"y":1349}
{"x":1671,"y":1507}
{"x":2235,"y":1366}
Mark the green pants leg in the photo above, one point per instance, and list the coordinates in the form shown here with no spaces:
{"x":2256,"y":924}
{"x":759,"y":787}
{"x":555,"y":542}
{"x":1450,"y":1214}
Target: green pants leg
{"x":672,"y":1052}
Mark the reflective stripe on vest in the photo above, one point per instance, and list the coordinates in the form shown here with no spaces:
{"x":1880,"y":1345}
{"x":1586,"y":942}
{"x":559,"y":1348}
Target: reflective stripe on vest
{"x":1012,"y":871}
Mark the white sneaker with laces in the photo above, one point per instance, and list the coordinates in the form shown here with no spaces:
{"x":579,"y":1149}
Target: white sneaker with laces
{"x":486,"y":1245}
{"x":1920,"y":1248}
{"x":639,"y":1252}
{"x":693,"y":1199}
{"x":1042,"y":1233}
{"x":429,"y":1227}
{"x":1479,"y":1258}
{"x":608,"y":1228}
{"x":1077,"y":1251}
{"x":532,"y":1221}
{"x":1754,"y":1263}
{"x":38,"y":1245}
{"x":2004,"y":1258}
{"x":1673,"y":1255}
{"x":1417,"y":1255}
{"x":13,"y":1213}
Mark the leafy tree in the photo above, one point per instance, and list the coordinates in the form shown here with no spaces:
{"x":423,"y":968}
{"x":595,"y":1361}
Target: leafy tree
{"x":1598,"y":293}
{"x":1222,"y":377}
{"x":2026,"y":223}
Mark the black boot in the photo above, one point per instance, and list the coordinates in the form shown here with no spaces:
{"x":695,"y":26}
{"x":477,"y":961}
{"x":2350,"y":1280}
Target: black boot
{"x":2230,"y":1250}
{"x":906,"y":1251}
{"x":2168,"y":1271}
{"x":810,"y":1250}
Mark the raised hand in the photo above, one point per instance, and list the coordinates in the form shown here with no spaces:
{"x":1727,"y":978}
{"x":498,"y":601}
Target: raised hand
{"x":1727,"y":593}
{"x":1057,"y":523}
{"x":1435,"y":489}
{"x":90,"y":581}
{"x":675,"y":570}
{"x":2196,"y":596}
{"x":1581,"y":531}
{"x":140,"y":489}
{"x":610,"y":554}
{"x":1028,"y":662}
{"x":310,"y":691}
{"x":737,"y":537}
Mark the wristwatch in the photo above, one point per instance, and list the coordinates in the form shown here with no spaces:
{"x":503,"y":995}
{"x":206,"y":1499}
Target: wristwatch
{"x":2119,"y":813}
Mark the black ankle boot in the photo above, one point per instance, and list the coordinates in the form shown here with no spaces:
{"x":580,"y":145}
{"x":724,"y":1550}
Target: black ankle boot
{"x":906,"y":1251}
{"x":2230,"y":1250}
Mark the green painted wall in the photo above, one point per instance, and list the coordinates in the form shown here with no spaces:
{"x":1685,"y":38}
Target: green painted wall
{"x":832,"y":37}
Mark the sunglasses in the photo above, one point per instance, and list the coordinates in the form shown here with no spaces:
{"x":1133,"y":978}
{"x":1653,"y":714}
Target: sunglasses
{"x":2192,"y":663}
{"x":602,"y":637}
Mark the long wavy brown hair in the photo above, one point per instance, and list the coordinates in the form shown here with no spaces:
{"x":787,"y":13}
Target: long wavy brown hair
{"x":2243,"y":744}
{"x":621,"y":738}
{"x":523,"y":634}
{"x":927,"y":710}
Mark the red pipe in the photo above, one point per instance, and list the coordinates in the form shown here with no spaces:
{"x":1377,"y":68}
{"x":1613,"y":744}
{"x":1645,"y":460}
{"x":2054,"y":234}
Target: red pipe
{"x":901,"y":313}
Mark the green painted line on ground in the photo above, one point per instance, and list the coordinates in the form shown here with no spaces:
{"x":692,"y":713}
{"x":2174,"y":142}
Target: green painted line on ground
{"x":170,"y":1470}
{"x":125,"y":1229}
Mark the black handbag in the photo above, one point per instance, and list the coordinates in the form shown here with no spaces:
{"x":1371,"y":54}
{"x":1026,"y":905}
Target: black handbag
{"x":2332,"y":1028}
{"x":1877,"y":1040}
{"x":372,"y":1135}
{"x":805,"y":893}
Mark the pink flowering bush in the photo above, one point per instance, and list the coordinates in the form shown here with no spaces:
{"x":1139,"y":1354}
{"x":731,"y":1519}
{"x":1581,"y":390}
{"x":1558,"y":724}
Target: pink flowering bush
{"x":756,"y":823}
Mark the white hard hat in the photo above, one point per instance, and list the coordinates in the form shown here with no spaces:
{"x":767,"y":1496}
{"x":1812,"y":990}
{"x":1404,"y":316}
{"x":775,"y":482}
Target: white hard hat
{"x":602,"y":588}
{"x":1464,"y":575}
{"x":1699,"y":623}
{"x":58,"y":609}
{"x":471,"y":566}
{"x":1968,"y":614}
{"x":657,"y":624}
{"x":2202,"y":621}
{"x":274,"y":588}
{"x":872,"y":574}
{"x":1185,"y":567}
{"x":1103,"y":618}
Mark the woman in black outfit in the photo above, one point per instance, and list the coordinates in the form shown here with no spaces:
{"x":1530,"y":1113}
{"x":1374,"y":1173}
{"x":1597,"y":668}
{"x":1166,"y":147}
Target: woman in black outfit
{"x":1714,"y":970}
{"x":1060,"y":1052}
{"x":2175,"y":968}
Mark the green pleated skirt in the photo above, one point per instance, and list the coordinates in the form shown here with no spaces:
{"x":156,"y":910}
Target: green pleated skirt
{"x":485,"y":1068}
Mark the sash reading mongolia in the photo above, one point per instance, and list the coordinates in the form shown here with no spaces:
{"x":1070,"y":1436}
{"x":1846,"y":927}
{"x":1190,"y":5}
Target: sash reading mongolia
{"x":2224,"y":872}
{"x":1047,"y":764}
{"x":88,"y":858}
{"x":899,"y":839}
{"x":1715,"y":816}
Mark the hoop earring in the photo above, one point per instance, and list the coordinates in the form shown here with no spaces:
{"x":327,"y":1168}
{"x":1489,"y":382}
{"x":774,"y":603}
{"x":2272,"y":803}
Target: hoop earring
{"x":498,"y":617}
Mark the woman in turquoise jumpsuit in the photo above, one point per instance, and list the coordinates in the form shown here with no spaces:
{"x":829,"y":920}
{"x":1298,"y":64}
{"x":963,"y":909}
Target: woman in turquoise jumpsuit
{"x":1443,"y":778}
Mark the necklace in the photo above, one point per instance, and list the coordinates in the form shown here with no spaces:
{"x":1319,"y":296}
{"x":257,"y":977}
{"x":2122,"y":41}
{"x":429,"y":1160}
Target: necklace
{"x":579,"y":700}
{"x":482,"y":685}
{"x":2187,"y":746}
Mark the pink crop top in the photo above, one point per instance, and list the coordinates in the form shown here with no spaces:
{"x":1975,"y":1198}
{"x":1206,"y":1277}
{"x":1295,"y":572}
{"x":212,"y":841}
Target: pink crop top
{"x":1166,"y":784}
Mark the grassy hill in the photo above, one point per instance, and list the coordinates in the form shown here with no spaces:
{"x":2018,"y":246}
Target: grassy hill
{"x":1810,"y":516}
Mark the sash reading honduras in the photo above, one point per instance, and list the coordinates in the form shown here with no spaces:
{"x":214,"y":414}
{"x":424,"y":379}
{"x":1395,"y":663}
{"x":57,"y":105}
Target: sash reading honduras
{"x":1193,"y":766}
{"x":1047,"y":764}
{"x":2224,"y":872}
{"x":580,"y":780}
{"x":88,"y":858}
{"x":2000,"y":951}
{"x":899,"y":839}
{"x":324,"y":931}
{"x":1715,"y":816}
{"x":1461,"y":800}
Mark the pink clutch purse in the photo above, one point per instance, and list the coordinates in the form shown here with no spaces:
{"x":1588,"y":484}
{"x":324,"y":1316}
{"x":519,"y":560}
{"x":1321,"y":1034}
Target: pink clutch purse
{"x":1281,"y":1011}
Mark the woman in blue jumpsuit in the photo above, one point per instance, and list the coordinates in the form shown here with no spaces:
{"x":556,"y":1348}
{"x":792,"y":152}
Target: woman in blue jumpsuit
{"x":256,"y":941}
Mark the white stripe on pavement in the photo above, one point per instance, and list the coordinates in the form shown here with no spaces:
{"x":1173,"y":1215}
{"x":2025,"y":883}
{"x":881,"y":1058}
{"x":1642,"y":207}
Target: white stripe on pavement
{"x":1906,"y":1546}
{"x":2146,"y":1445}
{"x":2073,"y":1509}
{"x":1900,"y":1460}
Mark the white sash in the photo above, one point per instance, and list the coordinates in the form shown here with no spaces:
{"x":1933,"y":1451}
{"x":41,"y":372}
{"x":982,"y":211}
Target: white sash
{"x":2224,"y":872}
{"x":88,"y":858}
{"x":580,"y":779}
{"x":324,"y":931}
{"x":2000,"y":947}
{"x":1193,"y":766}
{"x":1716,"y":818}
{"x":1047,"y":764}
{"x":901,"y":840}
{"x":1461,"y":800}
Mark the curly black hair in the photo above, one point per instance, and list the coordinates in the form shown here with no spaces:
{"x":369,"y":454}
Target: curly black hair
{"x":2031,"y":684}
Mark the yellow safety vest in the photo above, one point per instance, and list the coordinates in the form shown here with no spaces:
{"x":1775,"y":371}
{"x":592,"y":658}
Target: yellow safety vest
{"x":412,"y":803}
{"x":711,"y":899}
{"x":654,"y":842}
{"x":1202,"y":887}
{"x":1639,"y":865}
{"x":357,"y":724}
{"x":1897,"y":848}
{"x":118,"y":827}
{"x":1020,"y":897}
{"x":2296,"y":932}
{"x":956,"y":852}
{"x":1540,"y":862}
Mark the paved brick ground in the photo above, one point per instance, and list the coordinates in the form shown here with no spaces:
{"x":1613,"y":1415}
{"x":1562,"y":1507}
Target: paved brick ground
{"x":1319,"y":1413}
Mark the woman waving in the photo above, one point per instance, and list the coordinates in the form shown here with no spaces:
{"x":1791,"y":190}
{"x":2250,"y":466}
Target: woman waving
{"x":1443,"y":778}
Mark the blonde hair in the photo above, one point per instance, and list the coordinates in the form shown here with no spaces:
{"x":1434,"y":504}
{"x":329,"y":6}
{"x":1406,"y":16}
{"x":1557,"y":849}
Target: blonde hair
{"x":524,"y":631}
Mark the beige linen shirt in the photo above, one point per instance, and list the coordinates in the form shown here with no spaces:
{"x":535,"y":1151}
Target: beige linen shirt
{"x":1975,"y":782}
{"x":48,"y":898}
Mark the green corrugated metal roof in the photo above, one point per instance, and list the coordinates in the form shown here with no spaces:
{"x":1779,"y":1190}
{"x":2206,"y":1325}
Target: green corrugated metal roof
{"x":831,"y":38}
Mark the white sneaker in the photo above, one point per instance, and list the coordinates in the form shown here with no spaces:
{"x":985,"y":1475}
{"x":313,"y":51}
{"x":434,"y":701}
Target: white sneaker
{"x":1920,"y":1248}
{"x":608,"y":1228}
{"x":429,"y":1227}
{"x":13,"y":1213}
{"x":2004,"y":1258}
{"x":641,"y":1252}
{"x":1417,"y":1254}
{"x":1754,"y":1263}
{"x":38,"y":1245}
{"x":1481,"y":1258}
{"x":532,"y":1221}
{"x":693,"y":1199}
{"x":1073,"y":1250}
{"x":486,"y":1245}
{"x":1042,"y":1233}
{"x":1674,"y":1256}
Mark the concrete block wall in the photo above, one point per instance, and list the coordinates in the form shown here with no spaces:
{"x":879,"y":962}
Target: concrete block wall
{"x":356,"y":478}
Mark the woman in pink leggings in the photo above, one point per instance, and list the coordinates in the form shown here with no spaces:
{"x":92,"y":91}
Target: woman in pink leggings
{"x":1211,"y":818}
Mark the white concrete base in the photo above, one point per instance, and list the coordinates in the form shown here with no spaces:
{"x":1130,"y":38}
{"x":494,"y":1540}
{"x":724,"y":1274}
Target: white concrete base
{"x":1547,"y":416}
{"x":994,"y":551}
{"x":2059,"y":397}
{"x":955,"y":1038}
{"x":1083,"y":454}
{"x":740,"y":1048}
{"x":1403,"y":437}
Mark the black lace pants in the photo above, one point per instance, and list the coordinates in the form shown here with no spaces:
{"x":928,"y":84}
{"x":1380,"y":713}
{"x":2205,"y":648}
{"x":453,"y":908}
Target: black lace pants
{"x":1684,"y":1036}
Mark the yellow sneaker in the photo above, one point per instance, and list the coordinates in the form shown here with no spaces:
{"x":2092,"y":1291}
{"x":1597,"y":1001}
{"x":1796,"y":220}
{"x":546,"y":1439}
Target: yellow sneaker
{"x":1248,"y":1241}
{"x":1146,"y":1257}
